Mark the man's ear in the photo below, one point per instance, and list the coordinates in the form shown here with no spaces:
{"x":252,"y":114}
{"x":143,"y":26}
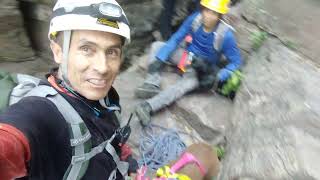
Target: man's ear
{"x":56,"y":51}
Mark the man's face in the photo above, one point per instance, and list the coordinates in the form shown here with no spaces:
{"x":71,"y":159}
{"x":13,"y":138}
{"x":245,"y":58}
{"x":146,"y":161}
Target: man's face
{"x":94,"y":61}
{"x":209,"y":17}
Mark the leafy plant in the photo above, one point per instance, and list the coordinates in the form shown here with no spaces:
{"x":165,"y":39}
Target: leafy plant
{"x":257,"y":38}
{"x":291,"y":45}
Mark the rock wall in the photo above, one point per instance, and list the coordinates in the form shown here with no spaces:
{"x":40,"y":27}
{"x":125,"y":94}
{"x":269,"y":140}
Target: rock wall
{"x":296,"y":22}
{"x":272,"y":128}
{"x":275,"y":122}
{"x":14,"y":44}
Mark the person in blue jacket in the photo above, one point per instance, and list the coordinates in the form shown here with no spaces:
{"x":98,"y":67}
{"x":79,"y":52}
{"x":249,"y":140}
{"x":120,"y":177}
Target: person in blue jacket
{"x":208,"y":39}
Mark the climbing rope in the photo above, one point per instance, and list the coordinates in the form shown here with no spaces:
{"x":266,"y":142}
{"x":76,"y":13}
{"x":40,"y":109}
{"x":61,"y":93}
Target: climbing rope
{"x":159,"y":146}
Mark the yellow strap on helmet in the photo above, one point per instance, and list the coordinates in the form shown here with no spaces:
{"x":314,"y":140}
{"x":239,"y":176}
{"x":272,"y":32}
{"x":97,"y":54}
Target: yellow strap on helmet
{"x":53,"y":35}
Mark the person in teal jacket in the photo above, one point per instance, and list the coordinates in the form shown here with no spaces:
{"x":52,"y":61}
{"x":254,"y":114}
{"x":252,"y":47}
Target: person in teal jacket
{"x":197,"y":48}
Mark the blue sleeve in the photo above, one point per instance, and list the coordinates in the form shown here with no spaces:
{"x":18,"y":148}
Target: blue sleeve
{"x":176,"y":38}
{"x":231,"y":51}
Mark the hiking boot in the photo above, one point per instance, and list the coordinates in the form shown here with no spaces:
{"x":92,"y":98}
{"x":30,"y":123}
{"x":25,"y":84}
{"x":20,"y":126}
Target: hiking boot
{"x":146,"y":91}
{"x":143,"y":112}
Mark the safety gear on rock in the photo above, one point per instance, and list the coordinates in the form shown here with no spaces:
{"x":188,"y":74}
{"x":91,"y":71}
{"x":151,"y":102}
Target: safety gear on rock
{"x":220,"y":6}
{"x":165,"y":173}
{"x":99,"y":15}
{"x":143,"y":112}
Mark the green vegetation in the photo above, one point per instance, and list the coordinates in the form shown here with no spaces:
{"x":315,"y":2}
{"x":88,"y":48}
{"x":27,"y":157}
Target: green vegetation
{"x":257,"y":39}
{"x":220,"y":151}
{"x":291,"y":45}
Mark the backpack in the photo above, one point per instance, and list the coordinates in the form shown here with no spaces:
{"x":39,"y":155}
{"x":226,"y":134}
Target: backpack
{"x":16,"y":86}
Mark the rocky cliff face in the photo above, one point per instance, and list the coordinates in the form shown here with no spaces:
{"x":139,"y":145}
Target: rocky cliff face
{"x":15,"y":45}
{"x":275,"y":119}
{"x":271,"y":128}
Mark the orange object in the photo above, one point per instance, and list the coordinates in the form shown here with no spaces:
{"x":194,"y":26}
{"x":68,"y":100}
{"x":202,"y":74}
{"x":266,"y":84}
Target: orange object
{"x":184,"y":58}
{"x":183,"y":61}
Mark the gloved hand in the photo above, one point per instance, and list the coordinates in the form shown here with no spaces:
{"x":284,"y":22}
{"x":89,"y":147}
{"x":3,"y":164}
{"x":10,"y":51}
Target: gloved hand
{"x":224,"y":74}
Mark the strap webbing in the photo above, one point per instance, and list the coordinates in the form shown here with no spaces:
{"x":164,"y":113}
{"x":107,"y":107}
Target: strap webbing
{"x":121,"y":165}
{"x":80,"y":159}
{"x":223,"y":27}
{"x":65,"y":54}
{"x":196,"y":23}
{"x":74,"y":120}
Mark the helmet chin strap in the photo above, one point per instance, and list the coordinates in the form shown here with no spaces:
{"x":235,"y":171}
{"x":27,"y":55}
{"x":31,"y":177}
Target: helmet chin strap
{"x":65,"y":55}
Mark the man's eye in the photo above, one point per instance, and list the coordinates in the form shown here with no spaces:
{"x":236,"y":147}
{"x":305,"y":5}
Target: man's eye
{"x":113,"y":52}
{"x":86,"y":49}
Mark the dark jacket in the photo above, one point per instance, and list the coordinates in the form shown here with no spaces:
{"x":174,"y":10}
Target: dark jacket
{"x":49,"y":137}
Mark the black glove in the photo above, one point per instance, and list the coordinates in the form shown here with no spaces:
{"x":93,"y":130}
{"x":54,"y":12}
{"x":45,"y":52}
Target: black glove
{"x":200,"y":65}
{"x":133,"y":165}
{"x":206,"y":82}
{"x":205,"y":72}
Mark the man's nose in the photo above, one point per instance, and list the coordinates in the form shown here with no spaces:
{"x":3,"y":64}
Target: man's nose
{"x":101,"y":64}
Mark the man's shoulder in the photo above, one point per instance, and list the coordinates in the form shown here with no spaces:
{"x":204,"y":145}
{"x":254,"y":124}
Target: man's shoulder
{"x":31,"y":111}
{"x":31,"y":104}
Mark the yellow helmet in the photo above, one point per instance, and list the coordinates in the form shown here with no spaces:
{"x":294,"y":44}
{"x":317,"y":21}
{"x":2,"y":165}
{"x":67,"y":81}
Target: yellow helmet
{"x":220,"y":6}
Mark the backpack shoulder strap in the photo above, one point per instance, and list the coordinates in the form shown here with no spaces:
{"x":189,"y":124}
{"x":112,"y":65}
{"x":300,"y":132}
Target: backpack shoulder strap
{"x":220,"y":34}
{"x":80,"y":138}
{"x":80,"y":135}
{"x":196,"y":23}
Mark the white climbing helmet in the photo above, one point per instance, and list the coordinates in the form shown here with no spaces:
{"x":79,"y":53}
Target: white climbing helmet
{"x":99,"y":15}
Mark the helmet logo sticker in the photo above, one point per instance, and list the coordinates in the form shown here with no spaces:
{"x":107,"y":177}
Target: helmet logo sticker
{"x":107,"y":22}
{"x":214,"y":3}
